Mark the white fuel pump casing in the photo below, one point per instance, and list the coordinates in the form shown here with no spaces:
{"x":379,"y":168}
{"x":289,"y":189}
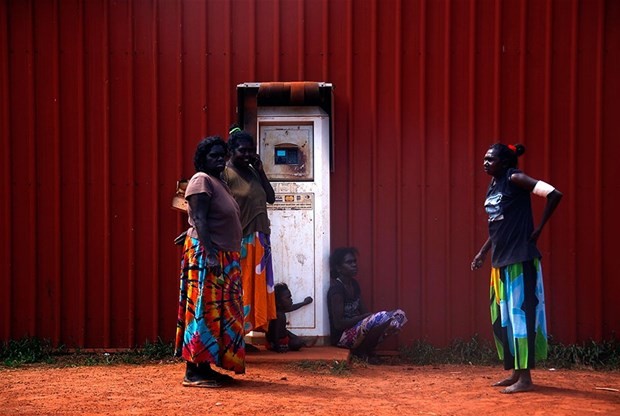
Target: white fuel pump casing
{"x":293,"y":143}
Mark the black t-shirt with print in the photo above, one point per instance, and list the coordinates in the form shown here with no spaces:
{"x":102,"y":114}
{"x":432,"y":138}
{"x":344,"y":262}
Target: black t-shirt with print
{"x":509,"y":209}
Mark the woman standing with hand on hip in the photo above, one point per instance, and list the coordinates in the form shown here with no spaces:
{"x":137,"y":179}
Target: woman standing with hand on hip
{"x":210,"y":317}
{"x":246,"y":178}
{"x":517,"y":294}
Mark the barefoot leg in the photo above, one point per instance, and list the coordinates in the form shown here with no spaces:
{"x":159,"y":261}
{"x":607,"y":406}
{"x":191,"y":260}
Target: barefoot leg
{"x":372,"y":339}
{"x":509,"y":381}
{"x":523,"y":384}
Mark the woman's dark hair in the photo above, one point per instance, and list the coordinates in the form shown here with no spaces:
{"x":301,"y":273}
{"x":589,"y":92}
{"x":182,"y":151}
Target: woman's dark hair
{"x":203,"y":148}
{"x":508,"y":154}
{"x":237,"y":136}
{"x":337,"y":258}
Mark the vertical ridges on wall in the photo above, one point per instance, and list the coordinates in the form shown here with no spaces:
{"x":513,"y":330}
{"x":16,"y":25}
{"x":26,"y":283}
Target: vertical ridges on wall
{"x":32,"y":244}
{"x":400,"y":265}
{"x":448,"y":155}
{"x":471,"y":145}
{"x":571,"y":145}
{"x":522,"y":51}
{"x":155,"y":174}
{"x":376,"y":265}
{"x":598,"y":176}
{"x":180,"y":87}
{"x":81,"y":280}
{"x":57,"y":228}
{"x":301,"y":45}
{"x":276,"y":40}
{"x":105,"y":178}
{"x":6,"y":252}
{"x":497,"y":67}
{"x":350,"y":100}
{"x":102,"y":103}
{"x":131,"y":181}
{"x":325,"y":39}
{"x":423,"y":269}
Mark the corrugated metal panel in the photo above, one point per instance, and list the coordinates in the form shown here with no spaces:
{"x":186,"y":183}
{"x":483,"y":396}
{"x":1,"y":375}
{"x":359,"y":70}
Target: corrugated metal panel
{"x":102,"y":103}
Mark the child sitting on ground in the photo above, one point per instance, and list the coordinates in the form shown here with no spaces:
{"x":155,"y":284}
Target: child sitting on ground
{"x":278,"y":337}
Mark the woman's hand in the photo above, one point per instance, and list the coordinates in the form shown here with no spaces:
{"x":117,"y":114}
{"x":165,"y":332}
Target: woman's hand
{"x":269,"y":192}
{"x":213,"y":264}
{"x":257,"y":163}
{"x":478,"y":260}
{"x":308,"y":300}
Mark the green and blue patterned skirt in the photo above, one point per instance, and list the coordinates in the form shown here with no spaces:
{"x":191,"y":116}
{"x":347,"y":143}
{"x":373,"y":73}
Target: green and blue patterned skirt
{"x":518,"y":314}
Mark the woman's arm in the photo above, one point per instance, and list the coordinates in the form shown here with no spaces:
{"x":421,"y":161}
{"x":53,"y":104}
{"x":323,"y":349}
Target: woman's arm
{"x":264,"y":181}
{"x":481,"y":256}
{"x":363,"y":310}
{"x":337,"y":308}
{"x":199,"y":204}
{"x":553,"y":199}
{"x":540,"y":188}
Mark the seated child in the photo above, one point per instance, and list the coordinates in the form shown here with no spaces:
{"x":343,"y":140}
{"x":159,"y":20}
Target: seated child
{"x":278,"y":337}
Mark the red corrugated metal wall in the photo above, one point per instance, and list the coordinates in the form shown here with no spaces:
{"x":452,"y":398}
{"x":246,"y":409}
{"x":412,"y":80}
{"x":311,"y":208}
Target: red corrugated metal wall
{"x":102,"y":102}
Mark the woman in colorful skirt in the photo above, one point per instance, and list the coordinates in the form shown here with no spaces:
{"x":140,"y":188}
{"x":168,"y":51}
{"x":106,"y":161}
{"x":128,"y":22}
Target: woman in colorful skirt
{"x":517,"y":294}
{"x":246,"y":179}
{"x":352,"y":326}
{"x":210,"y":318}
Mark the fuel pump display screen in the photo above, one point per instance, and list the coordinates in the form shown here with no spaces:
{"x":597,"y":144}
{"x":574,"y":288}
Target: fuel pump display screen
{"x":287,"y":156}
{"x":286,"y":151}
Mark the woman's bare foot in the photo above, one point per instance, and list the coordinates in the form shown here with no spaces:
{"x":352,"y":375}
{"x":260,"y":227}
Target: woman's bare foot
{"x":390,"y":330}
{"x":519,"y":381}
{"x":509,"y":381}
{"x":518,"y":387}
{"x":506,"y":382}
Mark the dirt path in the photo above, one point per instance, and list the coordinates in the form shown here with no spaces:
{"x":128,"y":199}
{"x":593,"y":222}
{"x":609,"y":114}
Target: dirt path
{"x":283,"y":389}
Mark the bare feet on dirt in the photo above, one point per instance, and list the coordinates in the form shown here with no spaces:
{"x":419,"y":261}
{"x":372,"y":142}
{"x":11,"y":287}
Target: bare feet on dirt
{"x":518,"y":387}
{"x":506,"y":382}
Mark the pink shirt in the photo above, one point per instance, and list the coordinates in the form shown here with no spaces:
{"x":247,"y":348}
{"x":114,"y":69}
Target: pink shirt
{"x":223,"y":222}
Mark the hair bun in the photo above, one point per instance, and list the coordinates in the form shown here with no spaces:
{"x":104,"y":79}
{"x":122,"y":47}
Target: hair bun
{"x":519,"y":149}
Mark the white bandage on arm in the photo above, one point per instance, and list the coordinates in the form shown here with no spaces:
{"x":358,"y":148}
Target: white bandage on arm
{"x":543,"y":189}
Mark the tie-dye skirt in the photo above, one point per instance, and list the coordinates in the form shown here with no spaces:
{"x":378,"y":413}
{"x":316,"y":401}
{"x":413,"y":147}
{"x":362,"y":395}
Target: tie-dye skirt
{"x":257,"y":280}
{"x":352,"y":338}
{"x":518,"y":314}
{"x":210,"y":317}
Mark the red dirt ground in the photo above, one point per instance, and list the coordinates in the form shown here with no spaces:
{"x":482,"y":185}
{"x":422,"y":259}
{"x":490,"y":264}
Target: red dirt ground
{"x":281,"y":388}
